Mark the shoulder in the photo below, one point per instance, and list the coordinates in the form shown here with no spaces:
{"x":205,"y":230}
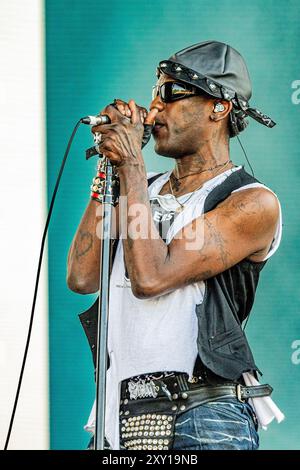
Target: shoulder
{"x":252,"y":202}
{"x":248,"y":217}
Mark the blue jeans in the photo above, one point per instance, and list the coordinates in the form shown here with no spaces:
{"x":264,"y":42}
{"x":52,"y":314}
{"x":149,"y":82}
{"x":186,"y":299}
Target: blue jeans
{"x":225,"y":424}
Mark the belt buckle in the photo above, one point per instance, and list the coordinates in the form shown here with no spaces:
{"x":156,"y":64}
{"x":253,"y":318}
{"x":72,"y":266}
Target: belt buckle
{"x":239,"y":393}
{"x":142,"y":389}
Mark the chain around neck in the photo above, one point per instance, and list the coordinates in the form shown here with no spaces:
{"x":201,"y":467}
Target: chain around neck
{"x":182,"y":206}
{"x":176,"y":178}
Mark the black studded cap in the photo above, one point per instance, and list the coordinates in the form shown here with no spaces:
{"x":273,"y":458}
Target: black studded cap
{"x":219,"y":70}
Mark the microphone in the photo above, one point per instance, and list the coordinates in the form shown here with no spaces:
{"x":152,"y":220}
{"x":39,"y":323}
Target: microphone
{"x":104,"y":119}
{"x":95,"y":120}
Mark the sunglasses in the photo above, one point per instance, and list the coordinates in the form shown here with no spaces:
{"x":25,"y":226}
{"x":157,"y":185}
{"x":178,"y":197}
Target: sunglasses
{"x":173,"y":91}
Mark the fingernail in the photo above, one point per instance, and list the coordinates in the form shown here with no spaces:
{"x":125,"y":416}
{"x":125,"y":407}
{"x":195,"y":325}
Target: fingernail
{"x":128,"y":112}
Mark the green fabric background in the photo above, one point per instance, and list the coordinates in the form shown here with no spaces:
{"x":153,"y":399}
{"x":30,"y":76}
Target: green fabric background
{"x":96,"y":51}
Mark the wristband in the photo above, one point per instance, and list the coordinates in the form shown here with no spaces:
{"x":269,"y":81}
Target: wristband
{"x":98,"y":182}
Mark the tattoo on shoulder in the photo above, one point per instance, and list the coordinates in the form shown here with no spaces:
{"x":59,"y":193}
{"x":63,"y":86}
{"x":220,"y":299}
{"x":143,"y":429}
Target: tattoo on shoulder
{"x":250,"y":204}
{"x":84,"y":244}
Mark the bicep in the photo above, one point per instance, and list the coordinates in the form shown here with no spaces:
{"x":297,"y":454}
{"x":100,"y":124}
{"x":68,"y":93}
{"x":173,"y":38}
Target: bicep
{"x":221,"y":238}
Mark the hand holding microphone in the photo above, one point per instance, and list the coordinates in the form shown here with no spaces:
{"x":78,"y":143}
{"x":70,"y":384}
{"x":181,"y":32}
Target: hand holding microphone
{"x":119,"y":128}
{"x":121,"y":106}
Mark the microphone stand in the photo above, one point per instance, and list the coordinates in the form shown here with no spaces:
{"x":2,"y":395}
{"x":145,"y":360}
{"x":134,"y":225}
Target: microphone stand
{"x":103,"y":307}
{"x":110,"y":196}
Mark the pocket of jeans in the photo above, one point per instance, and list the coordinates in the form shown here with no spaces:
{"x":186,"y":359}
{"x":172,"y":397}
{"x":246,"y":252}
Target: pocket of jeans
{"x":241,"y":412}
{"x":231,"y":409}
{"x":230,"y":419}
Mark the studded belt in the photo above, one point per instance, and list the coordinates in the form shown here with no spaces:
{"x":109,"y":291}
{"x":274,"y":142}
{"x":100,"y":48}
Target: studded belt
{"x":151,"y":386}
{"x":148,"y":423}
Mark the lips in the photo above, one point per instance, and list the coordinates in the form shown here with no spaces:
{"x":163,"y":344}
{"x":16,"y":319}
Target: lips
{"x":158,"y":126}
{"x":159,"y":123}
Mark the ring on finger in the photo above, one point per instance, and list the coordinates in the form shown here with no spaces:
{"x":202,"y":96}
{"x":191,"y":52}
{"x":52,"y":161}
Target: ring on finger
{"x":97,"y":138}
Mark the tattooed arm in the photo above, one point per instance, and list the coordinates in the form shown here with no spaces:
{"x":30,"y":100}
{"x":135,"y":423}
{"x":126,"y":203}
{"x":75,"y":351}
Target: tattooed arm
{"x":84,"y":255}
{"x":241,"y":227}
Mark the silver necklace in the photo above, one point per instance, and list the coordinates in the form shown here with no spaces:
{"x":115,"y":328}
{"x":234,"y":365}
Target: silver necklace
{"x":182,"y":206}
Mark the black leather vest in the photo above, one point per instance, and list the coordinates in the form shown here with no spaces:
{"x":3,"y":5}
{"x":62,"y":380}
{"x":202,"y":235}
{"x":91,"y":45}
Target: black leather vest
{"x":222,"y":345}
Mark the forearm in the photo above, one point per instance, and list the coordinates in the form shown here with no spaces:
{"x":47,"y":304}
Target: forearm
{"x":84,"y":254}
{"x":145,"y":252}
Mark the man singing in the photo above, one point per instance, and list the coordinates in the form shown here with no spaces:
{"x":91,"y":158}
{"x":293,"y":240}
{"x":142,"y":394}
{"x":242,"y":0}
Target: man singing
{"x":192,"y":243}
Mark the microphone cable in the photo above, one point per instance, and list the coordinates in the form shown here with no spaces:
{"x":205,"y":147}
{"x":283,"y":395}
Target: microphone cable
{"x":37,"y":279}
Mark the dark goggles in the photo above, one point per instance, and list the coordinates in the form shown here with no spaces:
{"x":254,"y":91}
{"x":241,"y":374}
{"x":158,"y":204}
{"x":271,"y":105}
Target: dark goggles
{"x":173,"y":91}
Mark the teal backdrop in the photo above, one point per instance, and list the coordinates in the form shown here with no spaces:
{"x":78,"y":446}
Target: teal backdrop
{"x":96,"y":51}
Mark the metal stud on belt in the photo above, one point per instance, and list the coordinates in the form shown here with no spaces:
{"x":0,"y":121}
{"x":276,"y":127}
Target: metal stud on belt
{"x":147,"y":432}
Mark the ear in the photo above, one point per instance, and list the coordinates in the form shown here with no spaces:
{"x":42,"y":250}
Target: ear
{"x":221,"y":109}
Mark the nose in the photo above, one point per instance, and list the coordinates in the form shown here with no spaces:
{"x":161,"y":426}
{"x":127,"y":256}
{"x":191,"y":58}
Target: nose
{"x":156,"y":106}
{"x":157,"y":103}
